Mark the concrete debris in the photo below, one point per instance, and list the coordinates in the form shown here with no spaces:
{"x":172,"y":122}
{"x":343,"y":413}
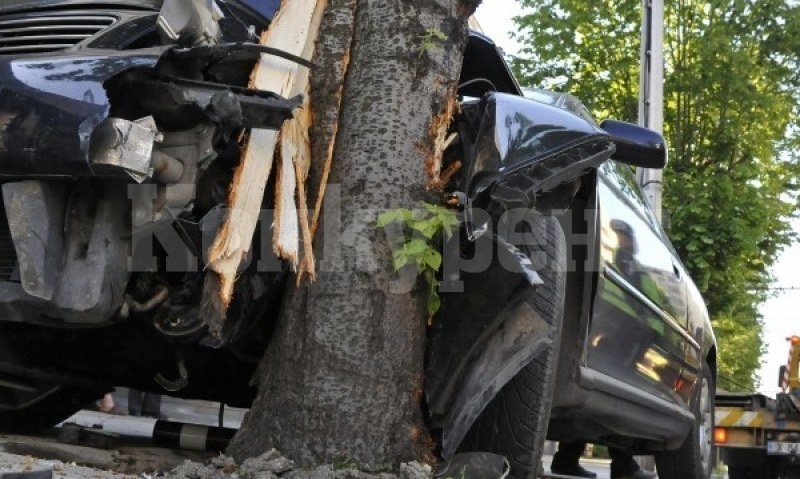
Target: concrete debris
{"x":70,"y":462}
{"x":16,"y":464}
{"x":272,"y":465}
{"x":18,"y":452}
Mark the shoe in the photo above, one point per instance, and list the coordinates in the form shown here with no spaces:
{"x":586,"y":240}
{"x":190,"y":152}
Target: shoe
{"x":638,"y":474}
{"x":575,"y":471}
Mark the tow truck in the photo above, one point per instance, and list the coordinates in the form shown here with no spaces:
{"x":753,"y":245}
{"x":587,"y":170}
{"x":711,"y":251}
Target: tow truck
{"x":760,"y":436}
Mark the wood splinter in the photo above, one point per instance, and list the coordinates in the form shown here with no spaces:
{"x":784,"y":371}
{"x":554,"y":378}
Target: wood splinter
{"x":293,"y":30}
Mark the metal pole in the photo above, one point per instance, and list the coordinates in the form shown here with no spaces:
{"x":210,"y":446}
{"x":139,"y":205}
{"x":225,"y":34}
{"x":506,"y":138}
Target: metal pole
{"x":651,"y":110}
{"x":651,"y":92}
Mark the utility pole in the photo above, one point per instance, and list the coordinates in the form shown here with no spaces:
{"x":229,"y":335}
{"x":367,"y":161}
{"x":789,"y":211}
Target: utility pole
{"x":651,"y":92}
{"x":651,"y":110}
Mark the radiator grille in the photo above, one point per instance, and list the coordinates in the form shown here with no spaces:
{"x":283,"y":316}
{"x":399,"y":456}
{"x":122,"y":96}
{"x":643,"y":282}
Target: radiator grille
{"x":47,"y":32}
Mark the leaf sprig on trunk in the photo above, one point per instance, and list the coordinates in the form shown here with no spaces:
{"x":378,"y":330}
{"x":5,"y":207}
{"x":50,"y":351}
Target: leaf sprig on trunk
{"x":417,"y":247}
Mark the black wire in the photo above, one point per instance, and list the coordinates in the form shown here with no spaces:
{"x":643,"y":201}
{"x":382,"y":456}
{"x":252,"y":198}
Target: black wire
{"x":272,"y":51}
{"x":253,"y":47}
{"x":652,"y":182}
{"x":477,"y":80}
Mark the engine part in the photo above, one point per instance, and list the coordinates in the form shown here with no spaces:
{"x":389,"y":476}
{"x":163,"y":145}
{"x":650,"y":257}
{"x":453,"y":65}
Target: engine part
{"x":177,"y":384}
{"x":131,"y":305}
{"x":36,"y":221}
{"x":179,"y":103}
{"x":122,"y":146}
{"x":190,"y":23}
{"x":167,"y":169}
{"x":72,"y":263}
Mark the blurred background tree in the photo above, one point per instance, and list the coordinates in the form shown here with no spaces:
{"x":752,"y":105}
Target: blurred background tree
{"x":731,"y":111}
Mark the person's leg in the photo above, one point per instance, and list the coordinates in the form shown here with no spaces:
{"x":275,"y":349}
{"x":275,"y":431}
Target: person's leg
{"x":565,"y":460}
{"x":624,"y":467}
{"x":106,"y":403}
{"x":151,"y":405}
{"x":134,"y":402}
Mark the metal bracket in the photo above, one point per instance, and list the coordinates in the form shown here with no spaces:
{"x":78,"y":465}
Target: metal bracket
{"x":126,"y":146}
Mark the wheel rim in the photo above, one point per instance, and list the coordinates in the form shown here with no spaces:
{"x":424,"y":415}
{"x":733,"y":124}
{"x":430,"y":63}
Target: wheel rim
{"x":704,"y":431}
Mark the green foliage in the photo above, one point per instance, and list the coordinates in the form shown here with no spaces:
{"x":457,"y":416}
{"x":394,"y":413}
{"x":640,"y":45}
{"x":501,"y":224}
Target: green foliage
{"x":731,"y":111}
{"x":417,"y":247}
{"x":430,"y":40}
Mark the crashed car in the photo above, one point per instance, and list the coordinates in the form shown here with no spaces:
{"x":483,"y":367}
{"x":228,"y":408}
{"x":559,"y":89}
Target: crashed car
{"x":119,"y":137}
{"x":119,"y":127}
{"x":566,"y":312}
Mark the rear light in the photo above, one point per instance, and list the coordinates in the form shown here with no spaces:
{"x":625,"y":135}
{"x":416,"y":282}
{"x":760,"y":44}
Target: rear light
{"x":720,"y":435}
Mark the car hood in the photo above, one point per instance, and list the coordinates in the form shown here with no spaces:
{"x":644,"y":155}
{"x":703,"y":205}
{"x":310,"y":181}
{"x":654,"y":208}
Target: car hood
{"x":22,"y":5}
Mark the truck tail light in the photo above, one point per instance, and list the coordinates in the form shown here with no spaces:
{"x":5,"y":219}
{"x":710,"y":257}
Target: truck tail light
{"x":720,"y":435}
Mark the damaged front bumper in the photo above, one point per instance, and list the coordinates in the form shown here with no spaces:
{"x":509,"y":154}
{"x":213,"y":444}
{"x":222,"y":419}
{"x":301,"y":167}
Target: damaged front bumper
{"x":52,"y":110}
{"x":80,"y":121}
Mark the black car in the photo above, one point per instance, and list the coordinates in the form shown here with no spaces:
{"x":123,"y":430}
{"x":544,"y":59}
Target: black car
{"x":609,"y":341}
{"x":119,"y":125}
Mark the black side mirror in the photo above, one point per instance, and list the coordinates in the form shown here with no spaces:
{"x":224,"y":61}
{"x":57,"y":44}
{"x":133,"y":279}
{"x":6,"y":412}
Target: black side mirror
{"x":636,"y":145}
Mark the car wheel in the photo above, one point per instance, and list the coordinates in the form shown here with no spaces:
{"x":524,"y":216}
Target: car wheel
{"x":514,"y":423}
{"x":52,"y":408}
{"x":790,"y":472}
{"x":693,"y":459}
{"x":743,"y":472}
{"x":749,"y":472}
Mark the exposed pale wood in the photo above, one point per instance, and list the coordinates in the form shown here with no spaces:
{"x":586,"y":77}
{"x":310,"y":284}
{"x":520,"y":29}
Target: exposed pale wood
{"x":285,"y":237}
{"x":293,"y":30}
{"x":438,"y":131}
{"x":302,"y":166}
{"x":296,"y":163}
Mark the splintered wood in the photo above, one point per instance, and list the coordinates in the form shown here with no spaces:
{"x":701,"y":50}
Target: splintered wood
{"x":293,"y":30}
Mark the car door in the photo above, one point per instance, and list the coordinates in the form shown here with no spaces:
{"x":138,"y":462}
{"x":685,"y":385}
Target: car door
{"x":637,"y":330}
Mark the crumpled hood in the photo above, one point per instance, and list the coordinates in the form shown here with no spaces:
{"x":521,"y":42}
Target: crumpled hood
{"x":517,"y":131}
{"x":518,"y":134}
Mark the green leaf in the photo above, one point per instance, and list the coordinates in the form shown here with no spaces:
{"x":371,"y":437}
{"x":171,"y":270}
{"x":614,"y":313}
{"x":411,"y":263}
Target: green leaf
{"x":400,"y":259}
{"x":432,"y":259}
{"x":415,"y":247}
{"x":388,"y":217}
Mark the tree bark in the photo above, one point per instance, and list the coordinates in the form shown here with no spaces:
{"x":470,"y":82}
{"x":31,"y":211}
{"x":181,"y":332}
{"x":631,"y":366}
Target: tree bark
{"x":342,"y":377}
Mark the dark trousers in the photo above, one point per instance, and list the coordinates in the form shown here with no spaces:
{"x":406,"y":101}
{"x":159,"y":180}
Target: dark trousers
{"x":143,"y":404}
{"x":569,"y":453}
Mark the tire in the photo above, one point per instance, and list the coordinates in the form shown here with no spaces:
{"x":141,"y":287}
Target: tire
{"x":514,"y":423}
{"x":693,"y":459}
{"x":747,"y":472}
{"x":790,"y":472}
{"x":751,"y":464}
{"x":46,"y":413}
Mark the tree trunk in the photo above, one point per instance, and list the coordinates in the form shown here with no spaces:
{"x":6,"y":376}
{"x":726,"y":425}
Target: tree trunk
{"x":342,"y":377}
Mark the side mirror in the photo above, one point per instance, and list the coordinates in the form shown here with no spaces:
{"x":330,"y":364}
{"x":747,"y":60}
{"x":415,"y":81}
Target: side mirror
{"x":781,"y":373}
{"x":636,"y":145}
